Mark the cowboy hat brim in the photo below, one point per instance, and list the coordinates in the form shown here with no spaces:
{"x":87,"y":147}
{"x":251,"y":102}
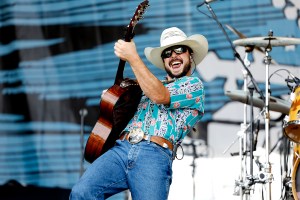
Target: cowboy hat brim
{"x":197,"y":43}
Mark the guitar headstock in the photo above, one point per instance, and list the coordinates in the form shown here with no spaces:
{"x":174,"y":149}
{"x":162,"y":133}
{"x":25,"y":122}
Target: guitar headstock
{"x":140,"y":10}
{"x":138,"y":15}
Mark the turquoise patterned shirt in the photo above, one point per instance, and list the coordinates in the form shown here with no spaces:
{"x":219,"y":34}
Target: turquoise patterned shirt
{"x":172,"y":122}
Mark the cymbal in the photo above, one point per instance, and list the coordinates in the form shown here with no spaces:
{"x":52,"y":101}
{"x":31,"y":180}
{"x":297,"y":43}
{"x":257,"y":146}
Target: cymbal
{"x":264,"y":41}
{"x":248,"y":48}
{"x":242,"y":36}
{"x":275,"y":104}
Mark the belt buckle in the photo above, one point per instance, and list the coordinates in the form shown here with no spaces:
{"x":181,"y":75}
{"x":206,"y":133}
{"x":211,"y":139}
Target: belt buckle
{"x":135,"y":136}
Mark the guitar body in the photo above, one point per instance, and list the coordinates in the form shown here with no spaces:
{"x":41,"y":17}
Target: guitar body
{"x":118,"y":105}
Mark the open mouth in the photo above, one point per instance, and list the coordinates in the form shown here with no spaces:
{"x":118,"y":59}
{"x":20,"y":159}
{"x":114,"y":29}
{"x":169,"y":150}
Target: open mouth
{"x":175,"y":64}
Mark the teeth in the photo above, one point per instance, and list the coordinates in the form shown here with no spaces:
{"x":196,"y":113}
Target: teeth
{"x":175,"y":63}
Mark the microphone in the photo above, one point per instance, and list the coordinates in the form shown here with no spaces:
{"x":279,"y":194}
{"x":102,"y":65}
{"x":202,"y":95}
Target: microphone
{"x":296,"y":80}
{"x":293,"y":80}
{"x":83,"y":112}
{"x":206,"y":1}
{"x":209,"y":1}
{"x":288,"y":80}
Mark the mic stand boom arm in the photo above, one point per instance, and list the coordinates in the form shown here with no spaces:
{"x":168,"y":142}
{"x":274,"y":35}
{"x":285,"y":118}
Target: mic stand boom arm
{"x":236,"y":54}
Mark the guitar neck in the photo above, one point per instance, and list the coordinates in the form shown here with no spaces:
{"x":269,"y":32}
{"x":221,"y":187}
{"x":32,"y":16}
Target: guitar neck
{"x":119,"y":75}
{"x":129,"y":35}
{"x":127,"y":38}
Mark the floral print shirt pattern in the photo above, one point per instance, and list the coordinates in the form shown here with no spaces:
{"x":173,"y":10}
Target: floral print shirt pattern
{"x":173,"y":122}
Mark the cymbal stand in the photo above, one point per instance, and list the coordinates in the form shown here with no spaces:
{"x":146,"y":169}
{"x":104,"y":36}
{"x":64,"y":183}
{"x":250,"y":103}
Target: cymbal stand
{"x":266,"y":176}
{"x":246,"y":181}
{"x":243,"y":139}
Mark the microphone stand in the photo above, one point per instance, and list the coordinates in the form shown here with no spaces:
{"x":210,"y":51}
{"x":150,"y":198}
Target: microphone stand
{"x":267,"y":176}
{"x":193,"y":144}
{"x":244,"y":188}
{"x":194,"y":166}
{"x":251,"y":136}
{"x":82,"y":112}
{"x":267,"y":168}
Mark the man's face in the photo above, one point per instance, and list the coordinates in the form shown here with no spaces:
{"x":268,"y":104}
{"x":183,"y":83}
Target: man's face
{"x":177,"y":61}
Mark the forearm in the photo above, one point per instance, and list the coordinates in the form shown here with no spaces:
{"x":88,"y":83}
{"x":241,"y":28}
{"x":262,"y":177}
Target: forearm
{"x":151,"y":86}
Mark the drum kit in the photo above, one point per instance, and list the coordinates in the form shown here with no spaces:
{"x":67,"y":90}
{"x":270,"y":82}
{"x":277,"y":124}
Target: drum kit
{"x":267,"y":103}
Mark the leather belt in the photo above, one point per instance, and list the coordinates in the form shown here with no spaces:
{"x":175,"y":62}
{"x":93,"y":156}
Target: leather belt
{"x":137,"y":135}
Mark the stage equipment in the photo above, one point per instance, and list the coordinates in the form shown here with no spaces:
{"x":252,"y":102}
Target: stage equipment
{"x":296,"y":173}
{"x":291,"y":129}
{"x":197,"y":148}
{"x":265,"y":176}
{"x":245,"y":182}
{"x":275,"y":104}
{"x":278,"y":105}
{"x":292,"y":122}
{"x":267,"y":43}
{"x":248,"y":48}
{"x":242,"y":36}
{"x":83,"y":113}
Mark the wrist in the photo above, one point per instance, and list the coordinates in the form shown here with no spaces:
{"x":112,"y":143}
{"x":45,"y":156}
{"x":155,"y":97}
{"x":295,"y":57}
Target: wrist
{"x":135,"y":61}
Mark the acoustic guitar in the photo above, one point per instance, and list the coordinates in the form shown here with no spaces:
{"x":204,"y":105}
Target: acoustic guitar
{"x":118,"y":104}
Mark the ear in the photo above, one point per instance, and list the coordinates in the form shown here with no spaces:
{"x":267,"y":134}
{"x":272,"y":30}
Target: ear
{"x":191,"y":54}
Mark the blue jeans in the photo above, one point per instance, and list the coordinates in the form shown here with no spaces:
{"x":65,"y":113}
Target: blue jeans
{"x":144,"y":168}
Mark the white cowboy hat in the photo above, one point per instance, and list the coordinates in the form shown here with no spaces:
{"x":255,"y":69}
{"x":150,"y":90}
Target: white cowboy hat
{"x":174,"y":36}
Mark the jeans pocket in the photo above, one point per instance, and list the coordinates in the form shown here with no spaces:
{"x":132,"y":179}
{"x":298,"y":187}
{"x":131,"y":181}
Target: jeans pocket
{"x":164,"y":151}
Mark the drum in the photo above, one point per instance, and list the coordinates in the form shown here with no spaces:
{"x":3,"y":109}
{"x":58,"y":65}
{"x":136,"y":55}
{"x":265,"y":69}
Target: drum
{"x":296,"y":173}
{"x":292,"y":126}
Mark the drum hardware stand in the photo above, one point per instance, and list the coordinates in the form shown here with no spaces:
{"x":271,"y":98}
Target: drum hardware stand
{"x":285,"y":175}
{"x":246,"y":181}
{"x":264,"y":176}
{"x":245,"y":190}
{"x":82,"y":112}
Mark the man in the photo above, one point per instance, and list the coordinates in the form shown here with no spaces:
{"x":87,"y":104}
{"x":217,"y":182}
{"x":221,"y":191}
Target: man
{"x":141,"y":160}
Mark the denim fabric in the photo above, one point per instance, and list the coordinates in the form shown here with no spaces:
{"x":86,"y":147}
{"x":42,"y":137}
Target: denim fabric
{"x":144,"y":168}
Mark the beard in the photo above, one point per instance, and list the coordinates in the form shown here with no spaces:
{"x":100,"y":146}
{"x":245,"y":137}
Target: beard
{"x":186,"y":69}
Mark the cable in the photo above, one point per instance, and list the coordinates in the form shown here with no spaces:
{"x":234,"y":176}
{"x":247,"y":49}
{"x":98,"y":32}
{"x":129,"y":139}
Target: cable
{"x":275,"y":72}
